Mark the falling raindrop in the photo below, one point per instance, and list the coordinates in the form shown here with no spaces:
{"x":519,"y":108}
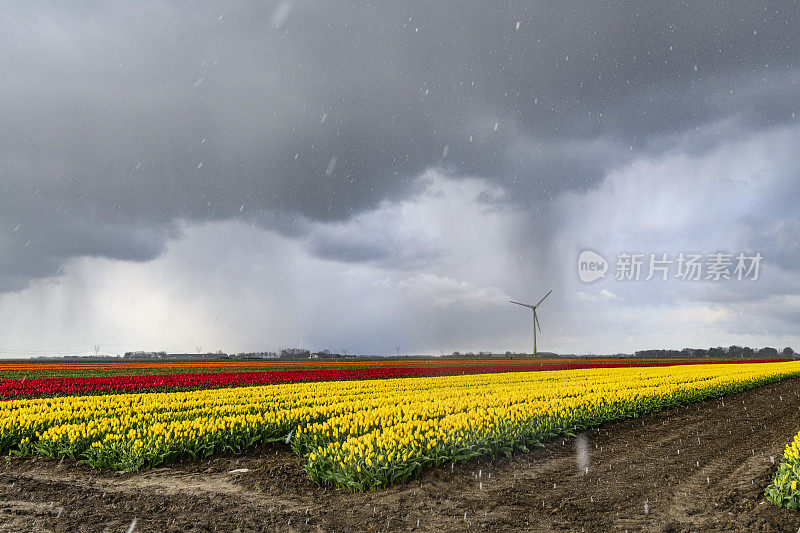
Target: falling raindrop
{"x":331,"y":166}
{"x":280,"y":14}
{"x":582,"y":452}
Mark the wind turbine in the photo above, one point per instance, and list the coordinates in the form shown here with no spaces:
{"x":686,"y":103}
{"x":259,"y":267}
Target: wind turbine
{"x":535,"y":318}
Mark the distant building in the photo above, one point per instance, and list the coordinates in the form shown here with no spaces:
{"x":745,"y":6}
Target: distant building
{"x":325,"y":354}
{"x":145,"y":355}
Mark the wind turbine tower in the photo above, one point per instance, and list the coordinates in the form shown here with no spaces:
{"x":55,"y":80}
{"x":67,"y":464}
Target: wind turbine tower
{"x":535,"y":317}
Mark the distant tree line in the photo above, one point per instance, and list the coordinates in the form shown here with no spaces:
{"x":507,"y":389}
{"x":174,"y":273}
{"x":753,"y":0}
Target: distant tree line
{"x":295,"y":353}
{"x":719,"y":351}
{"x":302,"y":353}
{"x":285,"y":353}
{"x":467,"y":355}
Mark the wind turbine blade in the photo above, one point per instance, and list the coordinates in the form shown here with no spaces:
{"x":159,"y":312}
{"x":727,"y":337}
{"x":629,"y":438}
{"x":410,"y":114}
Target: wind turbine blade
{"x":523,"y":305}
{"x":536,"y":319}
{"x":545,"y":296}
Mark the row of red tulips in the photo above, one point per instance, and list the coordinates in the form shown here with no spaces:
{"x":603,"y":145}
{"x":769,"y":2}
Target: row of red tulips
{"x":74,"y":385}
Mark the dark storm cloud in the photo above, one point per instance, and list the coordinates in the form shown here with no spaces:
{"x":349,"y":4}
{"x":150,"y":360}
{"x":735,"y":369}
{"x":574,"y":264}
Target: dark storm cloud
{"x":121,"y":119}
{"x":782,"y":244}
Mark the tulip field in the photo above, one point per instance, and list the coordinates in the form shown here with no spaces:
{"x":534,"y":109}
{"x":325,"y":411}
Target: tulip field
{"x":355,"y":432}
{"x":37,"y":380}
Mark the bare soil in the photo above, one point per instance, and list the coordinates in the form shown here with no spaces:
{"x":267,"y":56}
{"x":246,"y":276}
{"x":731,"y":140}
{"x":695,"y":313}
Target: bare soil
{"x":697,"y":468}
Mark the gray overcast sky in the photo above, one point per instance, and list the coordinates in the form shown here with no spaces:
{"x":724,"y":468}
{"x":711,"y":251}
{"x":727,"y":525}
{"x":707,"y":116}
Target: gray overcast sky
{"x":358,"y":176}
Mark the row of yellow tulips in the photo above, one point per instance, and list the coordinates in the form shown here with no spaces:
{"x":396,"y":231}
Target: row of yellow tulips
{"x":784,"y":491}
{"x":362,"y":434}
